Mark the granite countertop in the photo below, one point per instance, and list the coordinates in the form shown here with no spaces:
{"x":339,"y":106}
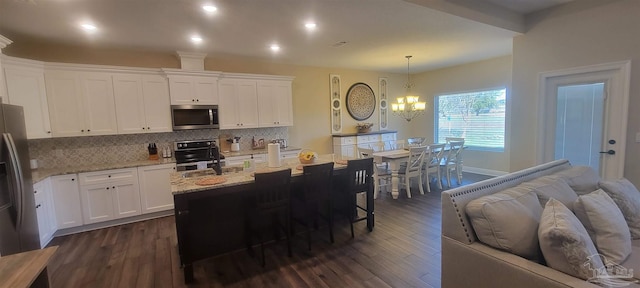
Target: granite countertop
{"x":257,"y":151}
{"x":180,"y":185}
{"x":41,"y":174}
{"x":368,"y":133}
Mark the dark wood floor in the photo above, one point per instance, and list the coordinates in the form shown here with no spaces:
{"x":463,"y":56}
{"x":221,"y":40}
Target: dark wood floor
{"x":402,"y":251}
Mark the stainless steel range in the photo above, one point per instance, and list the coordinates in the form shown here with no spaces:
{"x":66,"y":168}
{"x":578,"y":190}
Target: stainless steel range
{"x":189,"y":153}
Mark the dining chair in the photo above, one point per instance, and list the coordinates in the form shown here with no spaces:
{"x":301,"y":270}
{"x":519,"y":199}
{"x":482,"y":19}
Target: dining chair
{"x":314,"y":196}
{"x":381,"y":175}
{"x":431,"y":165}
{"x":415,"y":141}
{"x":413,"y":168}
{"x":396,"y":144}
{"x":269,"y":201}
{"x":453,"y":161}
{"x":359,"y":181}
{"x":377,"y":146}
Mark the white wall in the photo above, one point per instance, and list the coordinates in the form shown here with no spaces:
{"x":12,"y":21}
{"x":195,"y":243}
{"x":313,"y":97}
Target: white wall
{"x":586,"y":32}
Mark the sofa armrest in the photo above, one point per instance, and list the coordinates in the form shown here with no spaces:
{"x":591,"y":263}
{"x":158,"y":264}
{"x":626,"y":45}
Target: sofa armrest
{"x":478,"y":265}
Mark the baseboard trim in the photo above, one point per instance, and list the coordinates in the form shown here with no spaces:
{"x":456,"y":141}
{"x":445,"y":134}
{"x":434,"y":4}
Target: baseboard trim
{"x":94,"y":226}
{"x":483,"y":171}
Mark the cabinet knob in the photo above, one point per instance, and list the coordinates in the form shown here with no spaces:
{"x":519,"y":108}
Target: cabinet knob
{"x":38,"y":206}
{"x":48,"y":132}
{"x":35,"y":191}
{"x":114,"y":187}
{"x":88,"y":130}
{"x":142,"y":128}
{"x":82,"y":130}
{"x":193,"y":100}
{"x":197,"y":100}
{"x":148,"y":128}
{"x":73,"y":179}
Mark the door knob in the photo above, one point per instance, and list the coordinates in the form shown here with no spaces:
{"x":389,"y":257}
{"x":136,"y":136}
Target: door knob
{"x":610,"y":152}
{"x":612,"y":141}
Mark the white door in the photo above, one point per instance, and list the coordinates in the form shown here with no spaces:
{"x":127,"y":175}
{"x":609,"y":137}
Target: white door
{"x":99,"y":108}
{"x":26,"y":88}
{"x":126,"y":199}
{"x":583,"y":117}
{"x":130,"y":113}
{"x":155,"y":187}
{"x":64,"y":98}
{"x":66,"y":201}
{"x":157,"y":105}
{"x":97,"y":203}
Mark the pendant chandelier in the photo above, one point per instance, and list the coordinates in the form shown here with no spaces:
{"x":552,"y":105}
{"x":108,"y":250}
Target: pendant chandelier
{"x":408,"y":107}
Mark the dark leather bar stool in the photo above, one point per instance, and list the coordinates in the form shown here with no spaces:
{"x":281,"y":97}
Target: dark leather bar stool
{"x":314,"y":196}
{"x":269,"y":201}
{"x":359,"y":181}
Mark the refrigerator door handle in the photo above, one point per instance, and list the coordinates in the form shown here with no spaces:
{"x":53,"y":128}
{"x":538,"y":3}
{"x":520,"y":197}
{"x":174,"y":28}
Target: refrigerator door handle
{"x":13,"y":155}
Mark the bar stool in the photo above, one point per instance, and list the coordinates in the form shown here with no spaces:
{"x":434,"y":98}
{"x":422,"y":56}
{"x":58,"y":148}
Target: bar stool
{"x":359,"y":180}
{"x":316,"y":190}
{"x":269,"y":200}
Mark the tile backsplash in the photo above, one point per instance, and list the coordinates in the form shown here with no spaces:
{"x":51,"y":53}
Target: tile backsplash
{"x":92,"y":150}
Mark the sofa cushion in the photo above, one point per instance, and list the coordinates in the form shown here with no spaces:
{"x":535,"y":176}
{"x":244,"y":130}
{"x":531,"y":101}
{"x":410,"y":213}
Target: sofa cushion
{"x":582,"y":179}
{"x":565,"y":243}
{"x":605,"y":224}
{"x":627,"y":197}
{"x":633,"y":262}
{"x":548,"y":187}
{"x":508,"y":220}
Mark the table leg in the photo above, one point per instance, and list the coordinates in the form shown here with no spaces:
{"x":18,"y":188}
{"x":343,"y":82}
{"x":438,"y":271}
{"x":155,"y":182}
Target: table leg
{"x":395,"y":167}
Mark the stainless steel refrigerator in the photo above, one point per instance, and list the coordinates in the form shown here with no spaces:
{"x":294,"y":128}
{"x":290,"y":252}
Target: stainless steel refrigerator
{"x":18,"y":222}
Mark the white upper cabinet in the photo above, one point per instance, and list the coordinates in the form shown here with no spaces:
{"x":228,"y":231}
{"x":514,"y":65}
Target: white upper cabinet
{"x":192,"y":87}
{"x":80,"y":103}
{"x":142,"y":103}
{"x":26,"y":88}
{"x":274,"y":103}
{"x":238,"y":104}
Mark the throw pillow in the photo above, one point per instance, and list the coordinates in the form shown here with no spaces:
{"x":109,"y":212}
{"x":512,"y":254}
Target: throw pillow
{"x":565,"y":243}
{"x":605,"y":224}
{"x":627,"y":197}
{"x":582,"y":179}
{"x":548,"y":187}
{"x":508,"y":220}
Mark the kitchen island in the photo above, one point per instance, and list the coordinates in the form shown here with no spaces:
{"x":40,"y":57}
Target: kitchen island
{"x":210,"y":219}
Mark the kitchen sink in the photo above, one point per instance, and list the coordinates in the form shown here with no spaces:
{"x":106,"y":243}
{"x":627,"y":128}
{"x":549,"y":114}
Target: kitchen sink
{"x":210,"y":172}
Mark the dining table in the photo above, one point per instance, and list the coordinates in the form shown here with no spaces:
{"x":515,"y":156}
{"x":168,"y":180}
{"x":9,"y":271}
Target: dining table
{"x":395,"y":158}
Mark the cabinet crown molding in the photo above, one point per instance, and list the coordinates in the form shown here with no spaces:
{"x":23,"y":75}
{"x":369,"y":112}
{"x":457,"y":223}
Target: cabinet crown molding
{"x":180,"y":72}
{"x":4,"y":41}
{"x":246,"y":76}
{"x":21,"y":62}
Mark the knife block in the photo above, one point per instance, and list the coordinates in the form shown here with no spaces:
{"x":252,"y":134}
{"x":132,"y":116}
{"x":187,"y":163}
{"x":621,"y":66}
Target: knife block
{"x":224,"y":145}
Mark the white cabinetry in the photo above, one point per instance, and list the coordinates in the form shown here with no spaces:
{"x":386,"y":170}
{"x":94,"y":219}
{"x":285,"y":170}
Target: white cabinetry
{"x":155,"y":187}
{"x":238,"y":104}
{"x":44,"y":211}
{"x":26,"y":88}
{"x":142,"y":103}
{"x":80,"y":103}
{"x":274,"y":103}
{"x":110,"y":194}
{"x":66,"y":201}
{"x":346,"y":146}
{"x":192,"y":87}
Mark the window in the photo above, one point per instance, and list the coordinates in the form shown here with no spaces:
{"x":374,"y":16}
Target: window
{"x":477,"y":116}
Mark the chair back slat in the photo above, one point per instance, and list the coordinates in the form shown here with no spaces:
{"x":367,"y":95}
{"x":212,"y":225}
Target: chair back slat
{"x":317,"y":181}
{"x":435,"y":153}
{"x":360,"y":173}
{"x":416,"y":157}
{"x":365,"y":152}
{"x":455,"y":148}
{"x":272,"y":190}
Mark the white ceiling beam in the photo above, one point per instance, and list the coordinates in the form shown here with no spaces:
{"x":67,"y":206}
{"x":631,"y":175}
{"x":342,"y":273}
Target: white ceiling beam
{"x":479,"y":11}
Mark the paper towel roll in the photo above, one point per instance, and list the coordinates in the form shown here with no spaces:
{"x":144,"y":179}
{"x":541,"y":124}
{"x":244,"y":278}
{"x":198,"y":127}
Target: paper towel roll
{"x":273,"y":153}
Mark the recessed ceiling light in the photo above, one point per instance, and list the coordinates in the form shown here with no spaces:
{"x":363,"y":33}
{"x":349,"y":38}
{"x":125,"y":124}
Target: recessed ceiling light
{"x":310,"y":26}
{"x":89,"y":27}
{"x":209,"y":8}
{"x":196,"y":39}
{"x":275,"y":47}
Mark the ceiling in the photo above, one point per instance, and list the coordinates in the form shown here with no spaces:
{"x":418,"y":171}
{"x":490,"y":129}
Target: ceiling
{"x":378,"y":33}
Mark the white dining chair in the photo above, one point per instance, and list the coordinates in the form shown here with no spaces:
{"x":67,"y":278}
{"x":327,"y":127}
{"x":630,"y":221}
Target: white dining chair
{"x":377,"y":146}
{"x":431,"y":166}
{"x":396,"y":144}
{"x":413,"y":168}
{"x":453,"y":161}
{"x":416,"y":141}
{"x":381,"y":176}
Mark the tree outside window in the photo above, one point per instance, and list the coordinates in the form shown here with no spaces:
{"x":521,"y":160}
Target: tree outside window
{"x":479,"y":117}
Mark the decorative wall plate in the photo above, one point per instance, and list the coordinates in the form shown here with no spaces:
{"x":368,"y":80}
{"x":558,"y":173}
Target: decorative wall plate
{"x":361,"y":102}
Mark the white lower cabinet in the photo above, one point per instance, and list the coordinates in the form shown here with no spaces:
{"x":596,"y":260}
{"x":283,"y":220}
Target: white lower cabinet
{"x":110,"y":194}
{"x":155,"y":187}
{"x":44,"y":211}
{"x":66,"y":201}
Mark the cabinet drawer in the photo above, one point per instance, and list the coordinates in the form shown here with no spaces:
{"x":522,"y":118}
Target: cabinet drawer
{"x":388,"y":137}
{"x":100,"y":177}
{"x":344,"y":140}
{"x":368,"y":138}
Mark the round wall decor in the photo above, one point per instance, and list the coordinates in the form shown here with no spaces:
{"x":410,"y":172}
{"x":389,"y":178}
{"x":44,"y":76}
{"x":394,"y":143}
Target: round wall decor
{"x":361,"y":102}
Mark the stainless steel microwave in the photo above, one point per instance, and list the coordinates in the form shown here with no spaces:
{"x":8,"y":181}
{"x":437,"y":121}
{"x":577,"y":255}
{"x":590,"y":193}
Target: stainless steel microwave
{"x":189,"y":117}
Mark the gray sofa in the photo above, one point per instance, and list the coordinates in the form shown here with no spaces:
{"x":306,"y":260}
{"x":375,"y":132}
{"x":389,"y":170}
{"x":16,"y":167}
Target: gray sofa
{"x":466,"y":262}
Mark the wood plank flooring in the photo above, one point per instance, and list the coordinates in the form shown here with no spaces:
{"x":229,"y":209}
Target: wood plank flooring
{"x":402,"y":251}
